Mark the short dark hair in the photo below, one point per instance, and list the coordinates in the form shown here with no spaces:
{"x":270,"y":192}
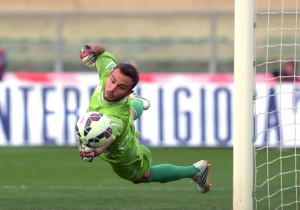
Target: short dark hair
{"x":129,"y":70}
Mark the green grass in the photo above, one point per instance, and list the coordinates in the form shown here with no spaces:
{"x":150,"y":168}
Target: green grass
{"x":56,"y":178}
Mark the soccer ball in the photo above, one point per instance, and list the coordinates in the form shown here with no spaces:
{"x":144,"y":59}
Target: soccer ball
{"x":93,"y":129}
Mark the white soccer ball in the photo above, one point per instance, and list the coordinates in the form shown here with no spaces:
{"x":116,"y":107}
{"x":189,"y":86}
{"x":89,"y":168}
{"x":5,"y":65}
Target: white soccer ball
{"x":93,"y":129}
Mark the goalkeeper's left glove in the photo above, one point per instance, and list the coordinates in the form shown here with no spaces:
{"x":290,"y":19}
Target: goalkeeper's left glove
{"x":83,"y":150}
{"x":88,"y":56}
{"x":88,"y":156}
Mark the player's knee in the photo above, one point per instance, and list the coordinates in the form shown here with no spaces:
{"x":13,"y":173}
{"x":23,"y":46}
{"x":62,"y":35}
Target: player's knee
{"x":144,"y":178}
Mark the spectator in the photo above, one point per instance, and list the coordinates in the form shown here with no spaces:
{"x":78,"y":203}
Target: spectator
{"x":288,"y":73}
{"x":3,"y":63}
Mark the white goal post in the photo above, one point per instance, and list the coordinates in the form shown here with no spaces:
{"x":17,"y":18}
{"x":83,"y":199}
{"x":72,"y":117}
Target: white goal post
{"x":243,"y":105}
{"x":266,"y":154}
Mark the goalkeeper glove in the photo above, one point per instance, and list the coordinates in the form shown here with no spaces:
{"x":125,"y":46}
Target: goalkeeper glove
{"x":88,"y":56}
{"x":84,"y":153}
{"x":88,"y":156}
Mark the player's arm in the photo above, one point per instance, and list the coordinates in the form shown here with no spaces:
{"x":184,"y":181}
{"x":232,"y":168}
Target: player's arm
{"x":97,"y":47}
{"x":97,"y":151}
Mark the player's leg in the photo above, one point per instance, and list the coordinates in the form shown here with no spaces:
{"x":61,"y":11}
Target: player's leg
{"x":146,"y":102}
{"x":134,"y":166}
{"x":198,"y":172}
{"x":162,"y":173}
{"x":138,"y":105}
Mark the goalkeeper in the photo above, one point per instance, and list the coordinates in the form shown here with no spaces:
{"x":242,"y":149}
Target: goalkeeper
{"x":114,"y":97}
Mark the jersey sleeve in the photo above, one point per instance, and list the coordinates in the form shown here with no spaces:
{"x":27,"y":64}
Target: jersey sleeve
{"x":117,"y":126}
{"x":105,"y":63}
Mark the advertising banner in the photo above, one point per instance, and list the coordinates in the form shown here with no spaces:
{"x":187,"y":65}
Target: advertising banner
{"x":187,"y":110}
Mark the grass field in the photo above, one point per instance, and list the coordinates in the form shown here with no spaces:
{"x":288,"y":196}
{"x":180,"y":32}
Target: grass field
{"x":56,"y":178}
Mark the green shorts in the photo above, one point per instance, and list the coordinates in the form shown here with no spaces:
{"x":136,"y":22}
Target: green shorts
{"x":136,"y":166}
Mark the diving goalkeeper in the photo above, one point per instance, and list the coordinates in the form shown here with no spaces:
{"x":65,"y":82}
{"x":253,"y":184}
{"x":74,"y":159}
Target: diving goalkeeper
{"x":114,"y":97}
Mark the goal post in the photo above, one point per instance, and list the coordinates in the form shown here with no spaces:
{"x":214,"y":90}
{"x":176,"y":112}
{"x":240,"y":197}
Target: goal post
{"x":266,"y":155}
{"x":243,"y":105}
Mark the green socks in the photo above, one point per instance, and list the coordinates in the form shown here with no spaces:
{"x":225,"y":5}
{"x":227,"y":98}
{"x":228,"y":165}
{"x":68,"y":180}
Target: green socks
{"x":167,"y":173}
{"x":137,"y":106}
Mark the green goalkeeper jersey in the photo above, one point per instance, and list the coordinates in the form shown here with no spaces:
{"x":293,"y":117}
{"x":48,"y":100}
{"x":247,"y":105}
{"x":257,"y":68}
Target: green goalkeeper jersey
{"x":123,"y":130}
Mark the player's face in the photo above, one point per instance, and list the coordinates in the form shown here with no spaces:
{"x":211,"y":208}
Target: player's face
{"x":117,"y":86}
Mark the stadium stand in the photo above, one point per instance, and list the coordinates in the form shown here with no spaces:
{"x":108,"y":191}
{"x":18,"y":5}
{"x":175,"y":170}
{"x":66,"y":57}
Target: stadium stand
{"x":173,"y":35}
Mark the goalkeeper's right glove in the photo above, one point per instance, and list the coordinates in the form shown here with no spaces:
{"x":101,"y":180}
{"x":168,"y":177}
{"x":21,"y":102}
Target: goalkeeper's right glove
{"x":88,"y":56}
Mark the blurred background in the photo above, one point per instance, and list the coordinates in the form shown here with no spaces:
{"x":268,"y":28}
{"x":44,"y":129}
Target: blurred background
{"x":158,"y":36}
{"x":191,"y":41}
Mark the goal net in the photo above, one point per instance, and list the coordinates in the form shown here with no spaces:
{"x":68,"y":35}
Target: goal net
{"x":276,"y":105}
